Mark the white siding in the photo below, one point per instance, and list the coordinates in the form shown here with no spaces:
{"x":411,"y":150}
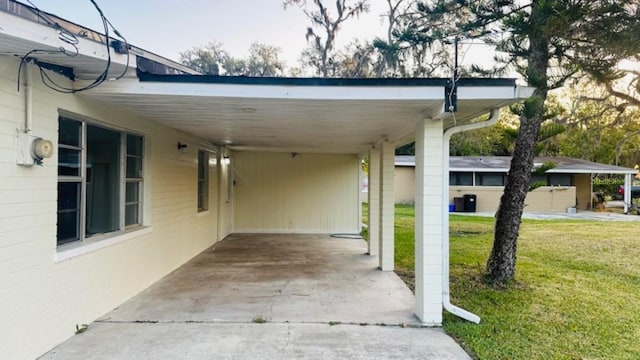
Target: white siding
{"x":430,"y":213}
{"x":300,"y":193}
{"x":226,"y":196}
{"x":41,"y":301}
{"x":387,"y":208}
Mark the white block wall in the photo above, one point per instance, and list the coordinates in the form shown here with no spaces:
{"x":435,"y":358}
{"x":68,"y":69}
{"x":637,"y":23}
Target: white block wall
{"x":430,"y":209}
{"x":305,"y":193}
{"x":387,"y":206}
{"x":374,"y":202}
{"x":42,"y":300}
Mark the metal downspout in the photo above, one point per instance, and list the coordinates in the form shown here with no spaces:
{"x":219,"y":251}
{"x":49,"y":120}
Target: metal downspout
{"x":446,"y":297}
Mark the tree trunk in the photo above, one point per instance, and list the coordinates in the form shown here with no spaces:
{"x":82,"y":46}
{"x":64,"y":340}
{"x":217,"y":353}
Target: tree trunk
{"x":501,"y":264}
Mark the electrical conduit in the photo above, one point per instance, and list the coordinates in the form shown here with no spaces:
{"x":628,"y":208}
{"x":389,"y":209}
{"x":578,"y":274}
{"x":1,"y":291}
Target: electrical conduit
{"x":28,"y":101}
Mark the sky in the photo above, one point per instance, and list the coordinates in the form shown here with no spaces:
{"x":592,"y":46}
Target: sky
{"x":168,"y":27}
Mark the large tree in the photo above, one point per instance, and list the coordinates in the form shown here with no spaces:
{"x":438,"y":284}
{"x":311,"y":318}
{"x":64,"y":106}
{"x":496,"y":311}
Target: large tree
{"x":403,"y":52}
{"x":322,"y":44}
{"x":601,"y":127}
{"x":212,"y":59}
{"x":209,"y":59}
{"x":546,"y":42}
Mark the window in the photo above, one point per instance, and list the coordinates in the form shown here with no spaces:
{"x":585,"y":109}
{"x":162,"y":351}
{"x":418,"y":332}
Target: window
{"x":133,"y":191}
{"x":203,"y":180}
{"x":99,"y":180}
{"x":461,"y":178}
{"x":553,"y":180}
{"x":490,"y":179}
{"x":560,"y":180}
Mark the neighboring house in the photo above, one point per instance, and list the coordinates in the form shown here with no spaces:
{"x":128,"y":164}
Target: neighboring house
{"x":567,"y":185}
{"x":107,"y":190}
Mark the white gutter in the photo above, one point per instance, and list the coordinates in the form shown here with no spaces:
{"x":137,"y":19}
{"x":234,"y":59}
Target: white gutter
{"x":446,"y":297}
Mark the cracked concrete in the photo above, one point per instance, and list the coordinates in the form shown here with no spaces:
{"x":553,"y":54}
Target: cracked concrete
{"x":298,"y":283}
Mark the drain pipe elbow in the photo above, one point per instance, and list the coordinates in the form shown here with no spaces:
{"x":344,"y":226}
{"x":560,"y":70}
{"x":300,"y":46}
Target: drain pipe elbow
{"x":446,"y":296}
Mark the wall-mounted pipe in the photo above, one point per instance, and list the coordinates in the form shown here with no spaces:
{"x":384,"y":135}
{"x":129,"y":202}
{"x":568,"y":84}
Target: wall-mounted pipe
{"x":446,"y":297}
{"x":28,"y":100}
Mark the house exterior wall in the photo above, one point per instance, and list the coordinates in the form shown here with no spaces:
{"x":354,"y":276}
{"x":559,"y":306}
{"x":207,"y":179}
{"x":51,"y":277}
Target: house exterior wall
{"x":225,"y":191}
{"x":41,"y":298}
{"x":583,"y":192}
{"x":404,"y":185}
{"x":299,"y":193}
{"x":542,"y":199}
{"x":487,"y":197}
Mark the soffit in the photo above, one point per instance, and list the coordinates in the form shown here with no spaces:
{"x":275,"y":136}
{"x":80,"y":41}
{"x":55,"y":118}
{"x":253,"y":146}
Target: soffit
{"x":292,"y":119}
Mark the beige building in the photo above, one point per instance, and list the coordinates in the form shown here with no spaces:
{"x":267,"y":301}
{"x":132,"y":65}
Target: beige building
{"x":567,"y":185}
{"x":118,"y":166}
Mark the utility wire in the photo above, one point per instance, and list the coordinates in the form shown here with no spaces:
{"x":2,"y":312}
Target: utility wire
{"x":71,"y":39}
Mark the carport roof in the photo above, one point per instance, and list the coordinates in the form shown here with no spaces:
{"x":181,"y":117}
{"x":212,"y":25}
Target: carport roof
{"x":563,"y":165}
{"x":346,"y":116}
{"x":303,"y":115}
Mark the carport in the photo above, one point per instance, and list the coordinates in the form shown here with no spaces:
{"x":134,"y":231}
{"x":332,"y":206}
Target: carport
{"x":355,"y":117}
{"x":271,"y":296}
{"x":215,"y":156}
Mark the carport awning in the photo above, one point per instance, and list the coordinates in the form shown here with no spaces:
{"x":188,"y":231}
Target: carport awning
{"x":302,"y":115}
{"x":272,"y":114}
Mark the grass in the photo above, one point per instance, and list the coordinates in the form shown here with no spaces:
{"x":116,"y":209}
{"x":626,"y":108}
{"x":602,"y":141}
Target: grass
{"x":576,"y":294}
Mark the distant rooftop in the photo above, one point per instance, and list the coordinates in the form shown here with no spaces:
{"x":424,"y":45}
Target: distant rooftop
{"x":564,"y":165}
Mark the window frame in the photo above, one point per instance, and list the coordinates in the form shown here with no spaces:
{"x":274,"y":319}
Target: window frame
{"x":456,"y":177}
{"x":129,"y":180}
{"x":81,"y":179}
{"x":482,"y":177}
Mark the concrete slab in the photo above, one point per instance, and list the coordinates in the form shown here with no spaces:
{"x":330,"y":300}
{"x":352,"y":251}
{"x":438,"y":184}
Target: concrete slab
{"x":298,"y":284}
{"x":161,"y":341}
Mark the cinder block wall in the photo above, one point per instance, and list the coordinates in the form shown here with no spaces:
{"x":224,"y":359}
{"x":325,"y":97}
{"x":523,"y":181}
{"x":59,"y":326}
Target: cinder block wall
{"x":542,"y":199}
{"x":303,"y":193}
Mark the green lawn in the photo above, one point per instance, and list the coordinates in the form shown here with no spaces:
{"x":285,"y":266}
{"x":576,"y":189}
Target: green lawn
{"x":577,"y":294}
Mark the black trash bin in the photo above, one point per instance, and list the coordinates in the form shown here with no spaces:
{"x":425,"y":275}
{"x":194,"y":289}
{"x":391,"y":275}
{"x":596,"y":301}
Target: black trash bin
{"x":469,"y":202}
{"x":458,"y":204}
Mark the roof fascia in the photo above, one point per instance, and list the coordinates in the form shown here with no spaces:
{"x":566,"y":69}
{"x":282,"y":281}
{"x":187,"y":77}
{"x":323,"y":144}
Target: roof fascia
{"x":290,"y":81}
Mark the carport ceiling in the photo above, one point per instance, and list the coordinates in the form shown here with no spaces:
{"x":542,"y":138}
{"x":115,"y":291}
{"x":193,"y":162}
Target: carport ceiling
{"x":284,"y":115}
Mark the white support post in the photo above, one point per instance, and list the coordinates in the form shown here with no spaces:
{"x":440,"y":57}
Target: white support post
{"x":374,"y":202}
{"x":627,"y":192}
{"x":429,"y":222}
{"x":360,"y":196}
{"x":387,"y":208}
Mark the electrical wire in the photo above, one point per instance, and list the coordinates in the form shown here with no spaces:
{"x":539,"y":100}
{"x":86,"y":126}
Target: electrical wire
{"x":71,"y":39}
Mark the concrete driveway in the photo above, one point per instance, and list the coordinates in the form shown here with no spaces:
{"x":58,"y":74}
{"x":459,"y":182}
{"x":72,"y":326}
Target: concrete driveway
{"x":268,"y":297}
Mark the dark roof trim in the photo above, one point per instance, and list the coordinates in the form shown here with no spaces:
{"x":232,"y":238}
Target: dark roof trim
{"x":286,"y":81}
{"x":564,"y":165}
